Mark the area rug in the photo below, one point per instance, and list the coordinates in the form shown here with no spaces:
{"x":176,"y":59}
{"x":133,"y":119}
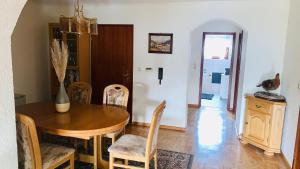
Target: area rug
{"x":207,"y":96}
{"x":166,"y":160}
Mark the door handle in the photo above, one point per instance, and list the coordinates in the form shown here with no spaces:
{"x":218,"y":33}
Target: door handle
{"x":125,"y":74}
{"x":258,"y":106}
{"x":125,"y":77}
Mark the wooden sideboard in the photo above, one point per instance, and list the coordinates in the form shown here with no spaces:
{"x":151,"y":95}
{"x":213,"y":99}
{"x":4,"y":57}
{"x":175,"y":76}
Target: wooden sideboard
{"x":263,"y":124}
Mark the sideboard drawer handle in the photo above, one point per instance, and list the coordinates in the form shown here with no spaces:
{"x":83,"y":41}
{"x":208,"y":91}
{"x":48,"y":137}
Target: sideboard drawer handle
{"x":258,"y":106}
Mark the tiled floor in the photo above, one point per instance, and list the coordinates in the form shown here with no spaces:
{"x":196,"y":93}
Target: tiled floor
{"x":211,"y":138}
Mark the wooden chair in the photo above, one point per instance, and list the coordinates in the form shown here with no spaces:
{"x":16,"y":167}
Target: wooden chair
{"x":137,"y":148}
{"x":117,"y":95}
{"x":80,"y":92}
{"x":33,"y":155}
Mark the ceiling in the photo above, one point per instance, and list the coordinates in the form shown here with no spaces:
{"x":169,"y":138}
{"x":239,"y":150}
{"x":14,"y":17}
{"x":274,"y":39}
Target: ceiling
{"x":129,"y":1}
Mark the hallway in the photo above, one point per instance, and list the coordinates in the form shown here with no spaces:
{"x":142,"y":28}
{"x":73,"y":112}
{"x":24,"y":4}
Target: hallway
{"x":211,"y":138}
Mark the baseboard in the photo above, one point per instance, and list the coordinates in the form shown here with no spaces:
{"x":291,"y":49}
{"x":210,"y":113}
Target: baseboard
{"x":239,"y":136}
{"x":195,"y":106}
{"x":161,"y":126}
{"x":285,"y":160}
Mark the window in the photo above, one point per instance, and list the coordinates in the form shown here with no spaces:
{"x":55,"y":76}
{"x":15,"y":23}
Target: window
{"x":218,"y":46}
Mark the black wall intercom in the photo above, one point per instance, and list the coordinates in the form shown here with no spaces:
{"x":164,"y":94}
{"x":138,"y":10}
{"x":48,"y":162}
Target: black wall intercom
{"x":160,"y":74}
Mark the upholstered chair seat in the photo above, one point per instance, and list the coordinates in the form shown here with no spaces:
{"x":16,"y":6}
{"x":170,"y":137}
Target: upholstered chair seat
{"x":52,"y":153}
{"x":129,"y":145}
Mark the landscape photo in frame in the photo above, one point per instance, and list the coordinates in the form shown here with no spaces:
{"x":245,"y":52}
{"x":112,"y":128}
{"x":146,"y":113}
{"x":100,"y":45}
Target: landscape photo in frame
{"x":160,"y":43}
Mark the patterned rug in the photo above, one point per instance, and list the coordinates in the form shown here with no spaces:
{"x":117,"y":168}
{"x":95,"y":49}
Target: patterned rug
{"x":166,"y":160}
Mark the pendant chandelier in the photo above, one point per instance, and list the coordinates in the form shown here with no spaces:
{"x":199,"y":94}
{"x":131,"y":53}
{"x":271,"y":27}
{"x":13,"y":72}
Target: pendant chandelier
{"x":78,"y":24}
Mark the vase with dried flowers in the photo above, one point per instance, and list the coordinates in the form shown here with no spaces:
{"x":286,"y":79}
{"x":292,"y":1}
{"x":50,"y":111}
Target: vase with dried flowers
{"x":59,"y":55}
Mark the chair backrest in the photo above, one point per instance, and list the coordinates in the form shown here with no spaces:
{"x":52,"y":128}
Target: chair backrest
{"x":116,"y":94}
{"x":28,"y":144}
{"x":154,"y":127}
{"x":80,"y":92}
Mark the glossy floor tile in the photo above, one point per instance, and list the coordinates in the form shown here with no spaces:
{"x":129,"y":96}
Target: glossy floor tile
{"x":211,"y":138}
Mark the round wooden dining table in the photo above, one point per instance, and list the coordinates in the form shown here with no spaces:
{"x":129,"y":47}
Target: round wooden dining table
{"x":84,"y":121}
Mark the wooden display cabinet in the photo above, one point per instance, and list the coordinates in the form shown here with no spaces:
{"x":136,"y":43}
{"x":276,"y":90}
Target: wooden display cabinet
{"x":78,"y":68}
{"x":263,"y":124}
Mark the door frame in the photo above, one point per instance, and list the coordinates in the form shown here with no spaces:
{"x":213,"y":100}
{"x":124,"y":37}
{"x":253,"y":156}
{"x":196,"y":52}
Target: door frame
{"x":231,"y":64}
{"x":237,"y":71}
{"x":296,"y":159}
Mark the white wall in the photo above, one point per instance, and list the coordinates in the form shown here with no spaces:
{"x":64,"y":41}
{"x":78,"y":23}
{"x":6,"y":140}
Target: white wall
{"x":9,"y":13}
{"x":30,"y":54}
{"x":210,"y":66}
{"x":265,"y":43}
{"x":290,"y":81}
{"x":263,"y":56}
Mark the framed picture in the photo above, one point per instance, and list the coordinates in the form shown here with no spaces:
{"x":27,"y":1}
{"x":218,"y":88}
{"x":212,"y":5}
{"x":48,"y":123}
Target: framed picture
{"x":160,"y":43}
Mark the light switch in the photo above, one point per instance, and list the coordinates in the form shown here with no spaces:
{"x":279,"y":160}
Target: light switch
{"x":299,"y":86}
{"x":148,"y":69}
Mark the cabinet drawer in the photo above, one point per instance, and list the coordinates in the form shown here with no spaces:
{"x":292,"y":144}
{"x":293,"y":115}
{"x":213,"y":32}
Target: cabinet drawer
{"x":258,"y":105}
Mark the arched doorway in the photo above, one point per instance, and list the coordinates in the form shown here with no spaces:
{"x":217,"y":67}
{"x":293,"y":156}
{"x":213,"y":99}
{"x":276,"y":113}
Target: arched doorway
{"x":197,"y":77}
{"x":9,"y":13}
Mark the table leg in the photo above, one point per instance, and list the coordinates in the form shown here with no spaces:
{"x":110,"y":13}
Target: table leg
{"x":96,"y":158}
{"x":101,"y":163}
{"x":95,"y":152}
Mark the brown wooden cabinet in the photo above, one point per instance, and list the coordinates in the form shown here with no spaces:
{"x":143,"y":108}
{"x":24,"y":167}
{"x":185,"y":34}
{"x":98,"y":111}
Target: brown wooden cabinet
{"x":78,"y":68}
{"x":263,"y":124}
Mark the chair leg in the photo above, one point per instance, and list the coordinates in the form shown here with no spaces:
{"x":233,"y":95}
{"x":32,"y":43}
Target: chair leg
{"x":124,"y":131}
{"x":85,"y":142}
{"x":147,"y":164}
{"x":113,"y":139}
{"x":155,"y":160}
{"x":111,"y":161}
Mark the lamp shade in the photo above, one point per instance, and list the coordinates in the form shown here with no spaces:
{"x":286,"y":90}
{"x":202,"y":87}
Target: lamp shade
{"x":78,"y":25}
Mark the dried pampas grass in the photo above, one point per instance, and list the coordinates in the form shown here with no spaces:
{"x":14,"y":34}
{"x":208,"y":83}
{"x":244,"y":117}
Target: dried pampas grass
{"x":59,"y":59}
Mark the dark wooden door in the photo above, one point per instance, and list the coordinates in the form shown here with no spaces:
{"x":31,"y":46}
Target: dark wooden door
{"x":112,"y":60}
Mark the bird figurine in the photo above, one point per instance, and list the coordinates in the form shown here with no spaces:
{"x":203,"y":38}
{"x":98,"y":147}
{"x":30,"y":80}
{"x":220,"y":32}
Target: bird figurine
{"x":270,"y":84}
